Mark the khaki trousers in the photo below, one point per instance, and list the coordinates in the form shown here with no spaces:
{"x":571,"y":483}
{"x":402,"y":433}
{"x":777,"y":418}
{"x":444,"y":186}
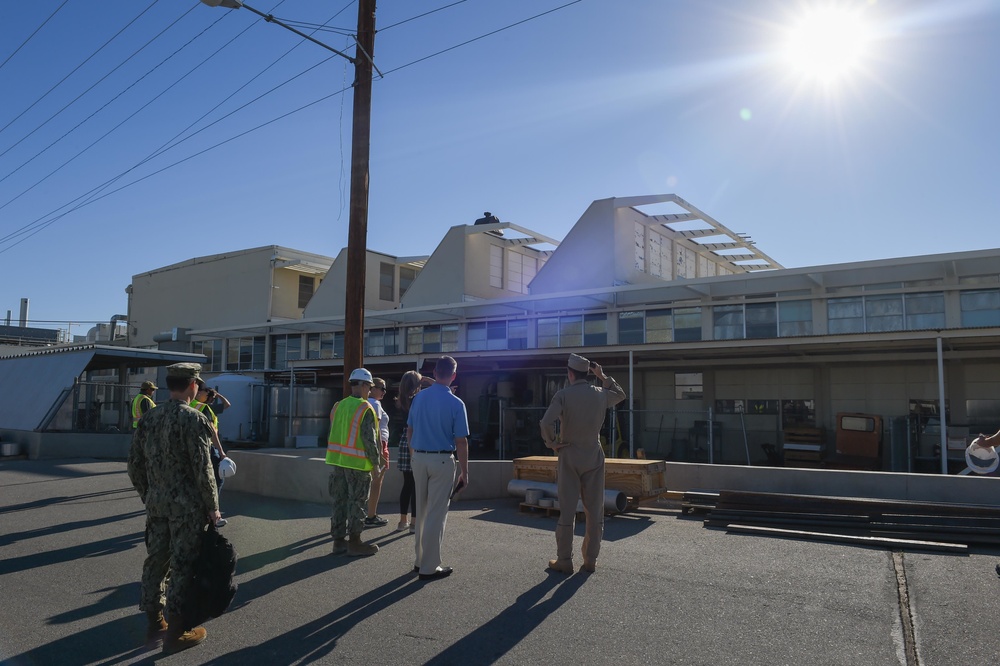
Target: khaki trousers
{"x":580,"y":476}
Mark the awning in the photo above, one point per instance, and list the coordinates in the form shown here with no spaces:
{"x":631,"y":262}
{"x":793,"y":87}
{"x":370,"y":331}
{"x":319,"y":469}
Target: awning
{"x":31,"y":382}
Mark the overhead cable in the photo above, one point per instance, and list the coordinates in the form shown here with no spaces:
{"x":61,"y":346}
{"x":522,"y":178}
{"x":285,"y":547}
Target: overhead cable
{"x":119,"y":65}
{"x":33,"y":34}
{"x":63,"y":80}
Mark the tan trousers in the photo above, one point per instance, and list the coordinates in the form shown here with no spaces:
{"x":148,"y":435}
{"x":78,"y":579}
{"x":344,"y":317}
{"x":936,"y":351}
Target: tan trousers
{"x":580,"y":476}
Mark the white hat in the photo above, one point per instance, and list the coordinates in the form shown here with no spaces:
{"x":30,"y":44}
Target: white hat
{"x":981,"y":459}
{"x":361,"y":375}
{"x":227,"y":468}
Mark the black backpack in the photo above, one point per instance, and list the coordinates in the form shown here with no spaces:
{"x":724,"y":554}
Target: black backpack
{"x":214,"y":584}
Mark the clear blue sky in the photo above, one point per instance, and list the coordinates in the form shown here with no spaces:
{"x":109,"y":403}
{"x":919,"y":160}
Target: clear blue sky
{"x":600,"y":98}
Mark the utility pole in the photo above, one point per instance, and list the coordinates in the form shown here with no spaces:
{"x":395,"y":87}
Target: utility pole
{"x":357,"y":234}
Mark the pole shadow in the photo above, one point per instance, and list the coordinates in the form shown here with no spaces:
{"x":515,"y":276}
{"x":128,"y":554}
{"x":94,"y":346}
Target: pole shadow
{"x":15,"y":537}
{"x":491,"y":641}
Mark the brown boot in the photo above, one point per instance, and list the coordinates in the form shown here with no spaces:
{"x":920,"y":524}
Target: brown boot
{"x":177,"y":639}
{"x":562,"y":566}
{"x":355,"y":548}
{"x":588,"y":567}
{"x":339,"y":546}
{"x":155,"y":627}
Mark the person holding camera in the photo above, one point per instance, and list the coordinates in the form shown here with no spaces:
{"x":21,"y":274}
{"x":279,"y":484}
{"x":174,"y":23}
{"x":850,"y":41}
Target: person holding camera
{"x":579,"y":408}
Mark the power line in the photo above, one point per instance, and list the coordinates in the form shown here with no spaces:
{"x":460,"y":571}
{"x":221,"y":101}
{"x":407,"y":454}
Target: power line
{"x":165,"y":147}
{"x":38,"y":225}
{"x":33,"y":34}
{"x":63,"y":80}
{"x":414,"y":18}
{"x":476,"y":39}
{"x":119,"y":65}
{"x":113,"y":99}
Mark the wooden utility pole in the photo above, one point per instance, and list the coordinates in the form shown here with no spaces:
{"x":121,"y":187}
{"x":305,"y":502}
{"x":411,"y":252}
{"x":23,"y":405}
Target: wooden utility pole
{"x":357,"y":234}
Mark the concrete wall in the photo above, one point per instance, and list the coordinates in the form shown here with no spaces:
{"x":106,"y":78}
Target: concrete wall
{"x":48,"y":445}
{"x":303,"y":476}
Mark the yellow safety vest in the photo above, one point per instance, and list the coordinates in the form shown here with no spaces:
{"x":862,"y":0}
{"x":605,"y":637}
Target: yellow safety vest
{"x":207,"y":411}
{"x":345,"y":447}
{"x":136,"y":411}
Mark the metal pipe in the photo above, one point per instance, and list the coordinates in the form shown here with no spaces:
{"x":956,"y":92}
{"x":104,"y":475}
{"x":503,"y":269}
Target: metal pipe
{"x":614,"y":500}
{"x":943,"y":420}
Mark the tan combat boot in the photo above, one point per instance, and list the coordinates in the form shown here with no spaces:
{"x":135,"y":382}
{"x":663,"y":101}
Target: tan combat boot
{"x":355,"y":548}
{"x":562,"y":566}
{"x":177,"y":639}
{"x":155,"y":627}
{"x":339,"y":546}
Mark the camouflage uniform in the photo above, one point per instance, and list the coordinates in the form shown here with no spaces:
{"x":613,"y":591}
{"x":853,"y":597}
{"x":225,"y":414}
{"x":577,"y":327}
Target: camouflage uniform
{"x":349,"y":488}
{"x":170,"y":467}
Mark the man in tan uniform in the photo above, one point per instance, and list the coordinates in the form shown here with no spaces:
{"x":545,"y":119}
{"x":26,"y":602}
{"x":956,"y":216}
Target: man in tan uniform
{"x":580,"y":409}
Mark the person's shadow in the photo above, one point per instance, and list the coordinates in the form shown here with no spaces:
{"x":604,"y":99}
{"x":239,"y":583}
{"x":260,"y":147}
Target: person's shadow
{"x":313,"y":641}
{"x":493,"y":640}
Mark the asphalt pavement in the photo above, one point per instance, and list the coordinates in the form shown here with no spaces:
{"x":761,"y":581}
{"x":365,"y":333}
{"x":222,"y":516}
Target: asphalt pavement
{"x":667,"y":589}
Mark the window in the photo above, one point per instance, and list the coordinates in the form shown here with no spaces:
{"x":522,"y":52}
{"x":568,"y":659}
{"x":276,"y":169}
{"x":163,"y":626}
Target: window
{"x":245,"y":353}
{"x":406,"y":277}
{"x":521,"y":270}
{"x":573,"y":331}
{"x":432,"y":339}
{"x":630,"y":328}
{"x":924,"y":311}
{"x":687,"y":324}
{"x":496,"y":266}
{"x":884,"y":313}
{"x":386,"y":281}
{"x":688,"y":386}
{"x":212,"y":349}
{"x":325,"y":345}
{"x":845,"y":315}
{"x":307,"y":285}
{"x":980,"y":308}
{"x":761,"y":320}
{"x":381,"y":342}
{"x":285,"y":348}
{"x":794,"y":318}
{"x":595,"y":330}
{"x":660,"y":325}
{"x":728,"y":322}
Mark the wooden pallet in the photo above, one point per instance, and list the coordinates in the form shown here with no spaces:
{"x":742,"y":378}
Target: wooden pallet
{"x":640,"y":480}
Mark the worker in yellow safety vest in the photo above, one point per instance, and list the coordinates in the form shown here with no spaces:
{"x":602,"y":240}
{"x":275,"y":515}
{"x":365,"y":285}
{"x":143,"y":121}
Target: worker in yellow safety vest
{"x":352,"y":451}
{"x":142,"y":402}
{"x":202,"y":401}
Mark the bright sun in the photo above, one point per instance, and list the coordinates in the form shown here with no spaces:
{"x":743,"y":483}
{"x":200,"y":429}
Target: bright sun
{"x":827,"y":44}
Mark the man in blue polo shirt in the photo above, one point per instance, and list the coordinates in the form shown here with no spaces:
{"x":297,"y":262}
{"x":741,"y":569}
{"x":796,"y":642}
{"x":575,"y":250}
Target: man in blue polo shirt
{"x":437,"y":429}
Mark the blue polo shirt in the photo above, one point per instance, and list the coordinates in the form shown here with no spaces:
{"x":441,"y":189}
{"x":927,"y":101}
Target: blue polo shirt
{"x":437,"y":417}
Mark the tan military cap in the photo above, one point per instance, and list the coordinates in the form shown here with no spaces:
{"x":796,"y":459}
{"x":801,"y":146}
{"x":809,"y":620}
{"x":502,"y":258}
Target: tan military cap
{"x":148,"y":385}
{"x":185,"y":370}
{"x":578,"y":363}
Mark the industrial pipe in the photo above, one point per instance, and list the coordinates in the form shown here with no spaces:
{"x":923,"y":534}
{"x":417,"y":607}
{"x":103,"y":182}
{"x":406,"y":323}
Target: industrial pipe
{"x":614,"y":500}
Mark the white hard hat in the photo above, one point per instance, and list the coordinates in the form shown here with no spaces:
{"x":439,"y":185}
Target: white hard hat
{"x":981,"y":459}
{"x":227,"y":468}
{"x":362,"y":375}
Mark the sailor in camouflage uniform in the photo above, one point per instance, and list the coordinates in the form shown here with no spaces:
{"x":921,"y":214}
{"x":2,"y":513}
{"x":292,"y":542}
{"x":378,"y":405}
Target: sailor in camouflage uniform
{"x":170,"y":466}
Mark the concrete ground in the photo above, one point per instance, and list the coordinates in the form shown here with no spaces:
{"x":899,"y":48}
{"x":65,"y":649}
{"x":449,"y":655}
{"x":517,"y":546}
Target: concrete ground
{"x":667,"y":590}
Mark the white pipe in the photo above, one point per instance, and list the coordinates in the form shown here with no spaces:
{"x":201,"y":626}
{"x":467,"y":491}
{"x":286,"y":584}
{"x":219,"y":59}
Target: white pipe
{"x":614,"y":500}
{"x":941,"y":408}
{"x":631,"y":406}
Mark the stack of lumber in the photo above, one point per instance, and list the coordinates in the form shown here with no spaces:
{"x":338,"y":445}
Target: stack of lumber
{"x":892,"y":523}
{"x":801,"y":443}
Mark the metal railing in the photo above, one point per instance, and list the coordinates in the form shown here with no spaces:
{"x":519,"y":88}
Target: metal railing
{"x":91,"y":407}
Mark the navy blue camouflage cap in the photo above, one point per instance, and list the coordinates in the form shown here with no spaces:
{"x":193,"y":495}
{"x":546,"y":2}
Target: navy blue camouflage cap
{"x":185,"y":370}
